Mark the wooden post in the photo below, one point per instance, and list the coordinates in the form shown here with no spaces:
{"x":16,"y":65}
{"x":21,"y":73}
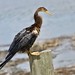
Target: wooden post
{"x":42,"y":64}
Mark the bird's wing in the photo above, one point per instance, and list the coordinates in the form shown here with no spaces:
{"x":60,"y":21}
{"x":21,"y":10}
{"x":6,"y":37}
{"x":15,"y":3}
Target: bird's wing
{"x":22,"y":39}
{"x":17,"y":38}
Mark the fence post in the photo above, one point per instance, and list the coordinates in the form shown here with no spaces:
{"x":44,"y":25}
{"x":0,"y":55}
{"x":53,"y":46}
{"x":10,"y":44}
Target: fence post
{"x":42,"y":64}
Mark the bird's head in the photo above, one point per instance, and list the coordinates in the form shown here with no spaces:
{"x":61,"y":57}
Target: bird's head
{"x":43,"y":9}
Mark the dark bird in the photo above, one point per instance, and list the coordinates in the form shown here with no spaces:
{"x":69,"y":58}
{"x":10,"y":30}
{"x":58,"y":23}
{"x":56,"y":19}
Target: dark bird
{"x":24,"y":40}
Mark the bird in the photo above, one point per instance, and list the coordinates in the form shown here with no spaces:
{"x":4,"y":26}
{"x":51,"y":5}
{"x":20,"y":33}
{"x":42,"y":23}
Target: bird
{"x":24,"y":40}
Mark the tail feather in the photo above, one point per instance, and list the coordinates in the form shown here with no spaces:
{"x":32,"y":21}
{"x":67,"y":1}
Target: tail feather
{"x":8,"y":56}
{"x":6,"y":60}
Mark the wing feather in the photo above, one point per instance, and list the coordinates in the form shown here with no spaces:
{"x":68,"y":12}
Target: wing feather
{"x":24,"y":39}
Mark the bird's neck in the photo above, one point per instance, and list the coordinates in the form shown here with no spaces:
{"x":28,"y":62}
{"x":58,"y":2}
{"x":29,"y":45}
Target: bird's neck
{"x":38,"y":20}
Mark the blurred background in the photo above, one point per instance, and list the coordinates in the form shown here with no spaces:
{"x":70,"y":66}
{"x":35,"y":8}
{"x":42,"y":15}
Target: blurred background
{"x":18,"y":14}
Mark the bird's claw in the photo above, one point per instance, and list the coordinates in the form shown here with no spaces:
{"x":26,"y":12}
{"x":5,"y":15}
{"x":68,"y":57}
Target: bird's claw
{"x":35,"y":53}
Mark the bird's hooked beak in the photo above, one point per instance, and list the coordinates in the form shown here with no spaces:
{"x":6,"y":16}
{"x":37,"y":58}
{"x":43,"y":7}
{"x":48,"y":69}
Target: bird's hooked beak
{"x":47,"y":12}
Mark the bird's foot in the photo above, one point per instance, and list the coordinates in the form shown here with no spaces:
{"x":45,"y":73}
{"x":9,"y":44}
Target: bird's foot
{"x":35,"y":53}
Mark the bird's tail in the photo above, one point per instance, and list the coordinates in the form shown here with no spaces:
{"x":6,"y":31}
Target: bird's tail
{"x":9,"y":56}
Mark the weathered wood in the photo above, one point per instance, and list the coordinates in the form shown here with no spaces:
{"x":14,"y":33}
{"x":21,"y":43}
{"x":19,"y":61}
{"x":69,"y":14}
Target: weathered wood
{"x":42,"y":64}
